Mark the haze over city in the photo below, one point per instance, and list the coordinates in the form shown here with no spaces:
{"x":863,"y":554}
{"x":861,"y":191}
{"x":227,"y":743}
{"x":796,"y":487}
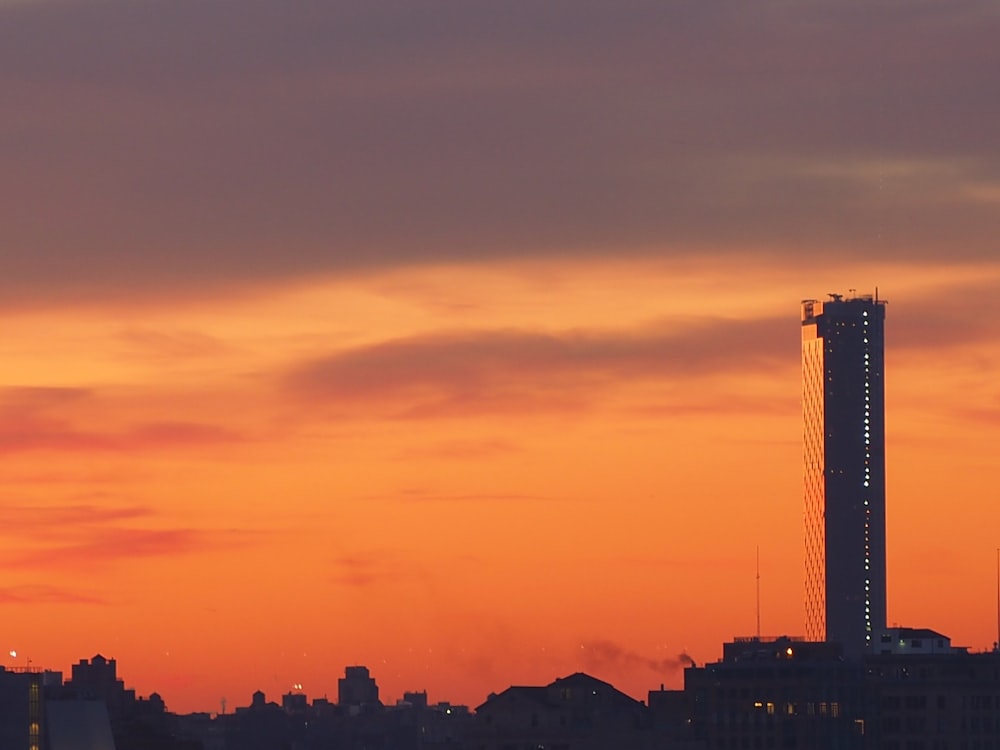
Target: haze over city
{"x":461,"y":339}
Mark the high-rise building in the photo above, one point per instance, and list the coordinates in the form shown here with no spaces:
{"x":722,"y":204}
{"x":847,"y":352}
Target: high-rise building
{"x":843,"y":405}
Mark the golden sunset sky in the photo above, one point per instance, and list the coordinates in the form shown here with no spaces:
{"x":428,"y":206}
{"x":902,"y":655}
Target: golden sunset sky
{"x":460,"y":339}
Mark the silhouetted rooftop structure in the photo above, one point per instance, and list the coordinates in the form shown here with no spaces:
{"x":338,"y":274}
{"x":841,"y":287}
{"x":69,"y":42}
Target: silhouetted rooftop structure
{"x":579,"y":711}
{"x":914,"y":641}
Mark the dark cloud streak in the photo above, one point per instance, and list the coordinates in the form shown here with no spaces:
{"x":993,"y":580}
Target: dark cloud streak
{"x":109,"y":545}
{"x":24,"y":519}
{"x":517,"y":371}
{"x":61,"y":435}
{"x":74,"y":536}
{"x":34,"y":595}
{"x":512,"y":371}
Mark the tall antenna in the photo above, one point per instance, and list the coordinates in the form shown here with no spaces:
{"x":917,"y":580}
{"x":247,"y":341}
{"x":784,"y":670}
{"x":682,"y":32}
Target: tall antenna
{"x":998,"y":600}
{"x":758,"y":591}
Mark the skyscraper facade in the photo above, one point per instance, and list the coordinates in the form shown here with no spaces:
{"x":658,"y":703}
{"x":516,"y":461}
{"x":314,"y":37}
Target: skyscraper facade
{"x":843,"y":405}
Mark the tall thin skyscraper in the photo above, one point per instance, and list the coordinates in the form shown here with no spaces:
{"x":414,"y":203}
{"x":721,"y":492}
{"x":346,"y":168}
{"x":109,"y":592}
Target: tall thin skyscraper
{"x":843,"y":407}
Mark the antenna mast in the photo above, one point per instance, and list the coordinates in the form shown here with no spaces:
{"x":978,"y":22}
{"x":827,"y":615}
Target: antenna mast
{"x":758,"y":591}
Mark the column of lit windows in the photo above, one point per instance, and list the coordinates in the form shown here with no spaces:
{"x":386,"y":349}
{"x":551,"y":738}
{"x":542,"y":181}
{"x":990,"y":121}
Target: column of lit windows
{"x":867,"y":481}
{"x":34,"y":715}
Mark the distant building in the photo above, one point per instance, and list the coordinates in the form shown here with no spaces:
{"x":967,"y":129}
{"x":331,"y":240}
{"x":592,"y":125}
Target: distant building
{"x":417,"y":699}
{"x":914,"y":641}
{"x":920,"y":693}
{"x":671,"y":715}
{"x":37,"y":714}
{"x":843,"y":403}
{"x":323,"y":706}
{"x":778,"y":693}
{"x":357,"y":688}
{"x":22,"y":709}
{"x":294,"y":703}
{"x":262,"y":725}
{"x":922,"y":699}
{"x":97,"y":679}
{"x":578,"y":712}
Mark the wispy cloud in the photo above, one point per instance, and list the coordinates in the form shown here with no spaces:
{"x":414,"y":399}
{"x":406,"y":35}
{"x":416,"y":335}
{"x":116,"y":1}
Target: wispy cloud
{"x":62,"y":436}
{"x":34,"y":399}
{"x":170,"y":345}
{"x":356,"y":571}
{"x":18,"y":520}
{"x":516,"y":371}
{"x":363,"y":570}
{"x":80,"y":536}
{"x":36,"y":420}
{"x":106,"y":545}
{"x":462,"y":449}
{"x":32,"y":594}
{"x":427,"y":495}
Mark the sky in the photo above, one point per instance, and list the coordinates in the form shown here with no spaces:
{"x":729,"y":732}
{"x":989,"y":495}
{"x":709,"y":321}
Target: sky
{"x":459,"y":339}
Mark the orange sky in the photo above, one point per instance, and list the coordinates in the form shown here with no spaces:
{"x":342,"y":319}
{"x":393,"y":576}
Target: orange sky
{"x":465,"y":477}
{"x":462,"y":340}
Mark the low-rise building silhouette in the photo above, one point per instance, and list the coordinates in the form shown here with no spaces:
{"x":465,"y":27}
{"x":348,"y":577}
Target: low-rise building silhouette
{"x":578,"y":712}
{"x":914,"y":641}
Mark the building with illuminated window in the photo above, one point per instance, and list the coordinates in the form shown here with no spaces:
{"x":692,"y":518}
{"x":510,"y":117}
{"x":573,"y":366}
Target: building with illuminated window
{"x":21,"y":708}
{"x":917,"y":692}
{"x":778,"y":693}
{"x":843,"y":401}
